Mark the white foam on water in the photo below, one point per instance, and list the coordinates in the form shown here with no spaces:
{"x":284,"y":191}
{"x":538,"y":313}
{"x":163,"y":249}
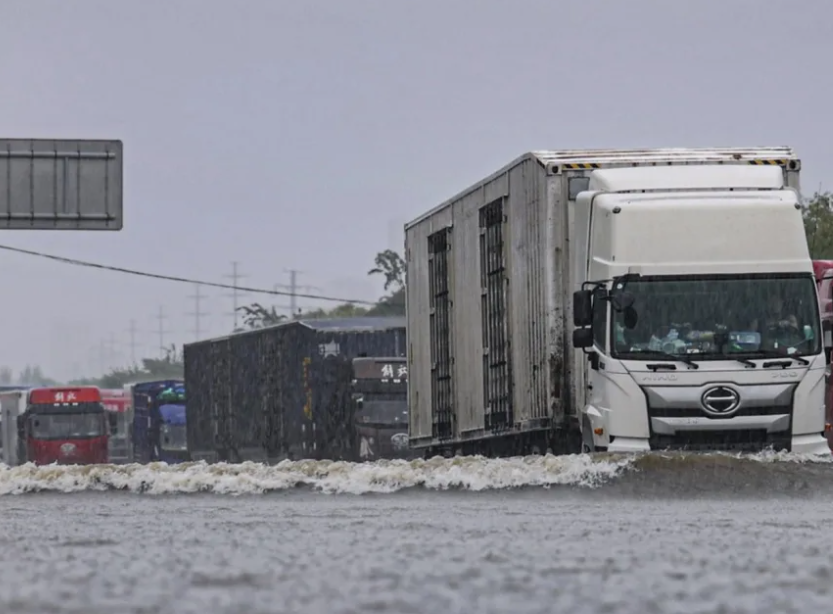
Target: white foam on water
{"x":468,"y":473}
{"x":472,"y":473}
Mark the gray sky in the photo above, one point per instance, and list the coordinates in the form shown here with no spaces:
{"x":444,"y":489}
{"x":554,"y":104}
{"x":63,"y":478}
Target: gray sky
{"x":304,"y":134}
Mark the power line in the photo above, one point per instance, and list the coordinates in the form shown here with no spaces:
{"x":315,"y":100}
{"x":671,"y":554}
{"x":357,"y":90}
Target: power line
{"x":235,"y":294}
{"x":197,"y":314}
{"x":293,"y":289}
{"x":185,"y":280}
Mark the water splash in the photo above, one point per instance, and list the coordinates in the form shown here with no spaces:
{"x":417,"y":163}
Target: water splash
{"x":467,"y":473}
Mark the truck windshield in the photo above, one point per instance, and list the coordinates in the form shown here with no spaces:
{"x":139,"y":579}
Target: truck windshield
{"x":383,"y":409}
{"x":174,"y":437}
{"x":67,"y":426}
{"x":754,"y":315}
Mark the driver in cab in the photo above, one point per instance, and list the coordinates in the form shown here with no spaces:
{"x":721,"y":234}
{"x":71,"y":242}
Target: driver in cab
{"x":778,"y":328}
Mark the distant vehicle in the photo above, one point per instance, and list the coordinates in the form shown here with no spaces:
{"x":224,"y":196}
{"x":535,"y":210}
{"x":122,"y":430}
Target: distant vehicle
{"x":173,"y":435}
{"x":119,"y":406}
{"x":617,"y":300}
{"x":282,"y":392}
{"x":380,"y":395}
{"x":67,"y":426}
{"x":148,"y":421}
{"x":823,"y":270}
{"x":13,"y":401}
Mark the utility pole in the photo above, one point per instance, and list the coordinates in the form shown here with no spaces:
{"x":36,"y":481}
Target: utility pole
{"x":132,"y":331}
{"x":197,"y":314}
{"x":293,"y":288}
{"x":161,"y":317}
{"x":111,"y":349}
{"x":102,"y":355}
{"x":235,"y":294}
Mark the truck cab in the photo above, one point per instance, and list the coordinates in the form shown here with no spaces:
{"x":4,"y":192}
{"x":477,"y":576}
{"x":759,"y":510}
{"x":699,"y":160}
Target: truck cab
{"x":157,"y":435}
{"x":380,"y":399}
{"x":696,"y":311}
{"x":67,"y":426}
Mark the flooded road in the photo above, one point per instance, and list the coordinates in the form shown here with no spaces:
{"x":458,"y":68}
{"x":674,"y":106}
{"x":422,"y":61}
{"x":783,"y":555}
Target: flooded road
{"x":658,"y":534}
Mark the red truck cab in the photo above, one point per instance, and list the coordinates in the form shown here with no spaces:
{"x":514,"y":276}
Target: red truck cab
{"x":67,"y":426}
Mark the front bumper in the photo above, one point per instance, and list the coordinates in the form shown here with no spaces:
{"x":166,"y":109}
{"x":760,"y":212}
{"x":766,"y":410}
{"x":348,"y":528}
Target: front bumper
{"x":375,"y":443}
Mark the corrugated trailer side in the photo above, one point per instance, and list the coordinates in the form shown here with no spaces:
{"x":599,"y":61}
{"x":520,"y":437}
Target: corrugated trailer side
{"x":283,"y":391}
{"x":477,"y":311}
{"x":198,"y":385}
{"x":248,"y":384}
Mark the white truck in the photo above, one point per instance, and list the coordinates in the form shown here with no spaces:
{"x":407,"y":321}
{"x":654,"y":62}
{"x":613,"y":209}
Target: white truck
{"x":619,"y":300}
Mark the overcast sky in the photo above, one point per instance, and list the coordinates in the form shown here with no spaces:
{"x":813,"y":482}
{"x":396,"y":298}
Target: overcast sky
{"x":302,"y":135}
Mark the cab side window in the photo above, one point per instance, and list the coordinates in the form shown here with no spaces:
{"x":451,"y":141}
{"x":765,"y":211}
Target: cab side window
{"x":599,"y":319}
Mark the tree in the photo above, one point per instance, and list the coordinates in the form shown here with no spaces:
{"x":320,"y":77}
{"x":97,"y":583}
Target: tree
{"x":258,"y":316}
{"x":33,"y":376}
{"x":818,"y":224}
{"x":171,"y":366}
{"x":6,"y":376}
{"x":388,"y":264}
{"x":392,"y":266}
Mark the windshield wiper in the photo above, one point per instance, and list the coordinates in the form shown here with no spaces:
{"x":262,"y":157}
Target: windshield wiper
{"x":785,"y":359}
{"x":668,"y":356}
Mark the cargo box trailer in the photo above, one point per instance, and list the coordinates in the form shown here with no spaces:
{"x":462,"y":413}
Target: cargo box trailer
{"x":616,"y":300}
{"x":285,"y":391}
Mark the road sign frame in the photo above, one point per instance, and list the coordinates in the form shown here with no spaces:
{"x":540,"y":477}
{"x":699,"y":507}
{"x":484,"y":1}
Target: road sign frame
{"x":61,"y":184}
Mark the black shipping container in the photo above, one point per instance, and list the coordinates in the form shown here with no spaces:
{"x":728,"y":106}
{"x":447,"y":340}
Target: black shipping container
{"x":282,"y":391}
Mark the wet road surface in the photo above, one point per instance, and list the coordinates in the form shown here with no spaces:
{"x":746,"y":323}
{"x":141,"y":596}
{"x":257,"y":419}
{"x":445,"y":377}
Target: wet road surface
{"x":661,"y":534}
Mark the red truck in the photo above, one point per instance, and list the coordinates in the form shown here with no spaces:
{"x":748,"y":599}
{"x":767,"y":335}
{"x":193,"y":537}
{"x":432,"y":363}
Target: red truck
{"x":67,"y":426}
{"x":823,"y":270}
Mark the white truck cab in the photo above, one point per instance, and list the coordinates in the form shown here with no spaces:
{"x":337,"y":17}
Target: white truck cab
{"x":696,"y":311}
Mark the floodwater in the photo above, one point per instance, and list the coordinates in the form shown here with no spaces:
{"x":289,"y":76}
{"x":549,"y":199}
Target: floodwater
{"x":658,"y":533}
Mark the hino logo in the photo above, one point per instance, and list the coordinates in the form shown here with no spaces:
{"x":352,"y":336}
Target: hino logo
{"x":68,"y":448}
{"x":720,"y":401}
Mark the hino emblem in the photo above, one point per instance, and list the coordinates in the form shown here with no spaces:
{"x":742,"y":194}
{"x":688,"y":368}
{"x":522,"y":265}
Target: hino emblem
{"x":399,"y":441}
{"x":68,"y":448}
{"x":720,"y":401}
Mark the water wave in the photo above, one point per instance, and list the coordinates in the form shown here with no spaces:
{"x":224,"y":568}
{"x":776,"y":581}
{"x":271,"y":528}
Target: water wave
{"x":635,"y":474}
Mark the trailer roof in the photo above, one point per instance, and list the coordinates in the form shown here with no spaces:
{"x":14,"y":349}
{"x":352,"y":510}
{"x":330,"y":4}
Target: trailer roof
{"x":663,"y":155}
{"x":359,"y":323}
{"x":590,"y":159}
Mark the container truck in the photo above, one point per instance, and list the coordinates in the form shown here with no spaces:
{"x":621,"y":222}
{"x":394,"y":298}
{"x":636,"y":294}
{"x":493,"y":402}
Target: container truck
{"x":619,"y":300}
{"x":281,"y":392}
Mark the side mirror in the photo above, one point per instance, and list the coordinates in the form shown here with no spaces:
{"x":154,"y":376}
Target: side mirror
{"x":622,"y":300}
{"x":827,"y":333}
{"x":582,"y":308}
{"x":583,"y":338}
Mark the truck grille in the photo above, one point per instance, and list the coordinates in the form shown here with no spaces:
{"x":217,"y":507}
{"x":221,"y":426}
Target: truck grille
{"x":696,"y":412}
{"x":735,"y":440}
{"x":751,"y":440}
